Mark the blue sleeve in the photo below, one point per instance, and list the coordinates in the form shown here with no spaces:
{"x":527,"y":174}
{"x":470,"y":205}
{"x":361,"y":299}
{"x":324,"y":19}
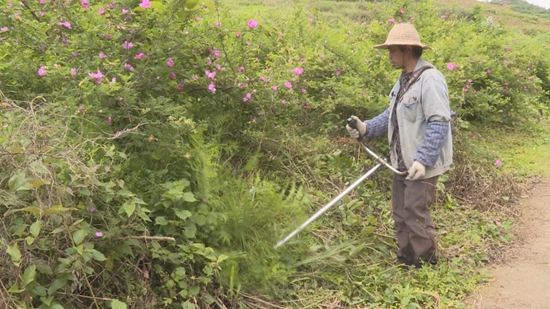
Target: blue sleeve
{"x":378,"y":125}
{"x":433,"y":142}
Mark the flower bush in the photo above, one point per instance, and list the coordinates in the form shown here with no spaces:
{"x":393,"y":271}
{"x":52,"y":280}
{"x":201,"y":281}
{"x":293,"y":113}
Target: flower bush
{"x":166,"y":116}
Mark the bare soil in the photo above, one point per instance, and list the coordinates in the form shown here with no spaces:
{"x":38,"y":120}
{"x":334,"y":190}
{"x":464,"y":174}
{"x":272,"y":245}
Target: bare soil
{"x":523,"y":279}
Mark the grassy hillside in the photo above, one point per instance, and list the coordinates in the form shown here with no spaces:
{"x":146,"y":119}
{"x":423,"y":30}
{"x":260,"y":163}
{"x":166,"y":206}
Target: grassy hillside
{"x":152,"y":153}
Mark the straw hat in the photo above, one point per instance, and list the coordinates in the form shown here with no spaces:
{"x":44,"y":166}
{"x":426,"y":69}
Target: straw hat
{"x":403,"y":34}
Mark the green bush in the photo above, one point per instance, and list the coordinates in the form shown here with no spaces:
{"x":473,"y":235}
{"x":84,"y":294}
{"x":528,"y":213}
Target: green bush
{"x":160,"y":151}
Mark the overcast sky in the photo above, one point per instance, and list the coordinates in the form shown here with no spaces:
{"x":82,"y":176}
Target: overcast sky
{"x":543,"y":3}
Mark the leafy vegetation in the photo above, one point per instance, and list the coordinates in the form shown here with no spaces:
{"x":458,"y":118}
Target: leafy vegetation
{"x":153,"y":152}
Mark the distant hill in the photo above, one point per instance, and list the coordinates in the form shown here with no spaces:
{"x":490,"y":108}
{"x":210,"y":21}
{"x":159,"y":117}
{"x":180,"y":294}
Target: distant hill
{"x":523,"y":6}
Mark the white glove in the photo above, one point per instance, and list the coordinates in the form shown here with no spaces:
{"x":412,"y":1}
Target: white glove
{"x":361,"y":128}
{"x":417,"y":171}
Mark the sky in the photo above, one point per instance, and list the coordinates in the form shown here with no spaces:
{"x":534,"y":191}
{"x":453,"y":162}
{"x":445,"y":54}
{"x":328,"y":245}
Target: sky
{"x":543,"y":3}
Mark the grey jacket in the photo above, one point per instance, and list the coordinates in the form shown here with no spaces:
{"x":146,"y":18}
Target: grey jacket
{"x":426,"y":101}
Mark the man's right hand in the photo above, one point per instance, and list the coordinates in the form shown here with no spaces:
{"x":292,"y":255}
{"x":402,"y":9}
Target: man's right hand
{"x":361,"y":128}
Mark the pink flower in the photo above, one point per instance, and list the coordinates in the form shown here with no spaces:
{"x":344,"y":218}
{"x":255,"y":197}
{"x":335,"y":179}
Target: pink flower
{"x":240,"y":69}
{"x":288,"y":85}
{"x":111,"y":6}
{"x":42,"y":71}
{"x":247,"y":97}
{"x":274,"y":88}
{"x":303,"y":91}
{"x":451,"y":66}
{"x":101,"y":11}
{"x":401,"y":11}
{"x":252,"y":24}
{"x":238,"y":34}
{"x":474,"y":136}
{"x":65,"y":24}
{"x":85,"y":4}
{"x":127,"y":45}
{"x":212,"y":87}
{"x":299,"y":71}
{"x":209,"y":74}
{"x":173,"y":75}
{"x":41,"y":2}
{"x":488,"y":71}
{"x":96,"y":76}
{"x":4,"y":29}
{"x":391,"y":20}
{"x":93,"y":209}
{"x":507,"y":48}
{"x":98,"y":234}
{"x":180,"y":87}
{"x":218,"y":67}
{"x":139,"y":56}
{"x":218,"y":24}
{"x":73,"y":72}
{"x":170,"y":62}
{"x":128,"y":67}
{"x":124,"y":11}
{"x":102,"y":56}
{"x":145,"y":4}
{"x":498,"y":163}
{"x":109,"y":120}
{"x":469,"y":80}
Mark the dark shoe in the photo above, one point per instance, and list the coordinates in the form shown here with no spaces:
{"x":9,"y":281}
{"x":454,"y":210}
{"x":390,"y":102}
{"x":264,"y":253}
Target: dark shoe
{"x":404,"y":262}
{"x":432,"y":260}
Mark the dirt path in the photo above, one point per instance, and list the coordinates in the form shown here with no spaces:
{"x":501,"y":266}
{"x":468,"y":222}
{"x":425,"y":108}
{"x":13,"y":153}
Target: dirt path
{"x":523,"y":281}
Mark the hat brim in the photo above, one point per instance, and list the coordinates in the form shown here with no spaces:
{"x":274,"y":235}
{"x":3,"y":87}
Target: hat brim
{"x":388,"y":45}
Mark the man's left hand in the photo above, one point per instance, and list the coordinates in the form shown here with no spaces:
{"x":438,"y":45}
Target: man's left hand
{"x":417,"y":171}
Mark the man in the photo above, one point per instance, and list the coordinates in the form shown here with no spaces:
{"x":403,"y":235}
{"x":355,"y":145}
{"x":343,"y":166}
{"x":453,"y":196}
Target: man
{"x":418,"y":126}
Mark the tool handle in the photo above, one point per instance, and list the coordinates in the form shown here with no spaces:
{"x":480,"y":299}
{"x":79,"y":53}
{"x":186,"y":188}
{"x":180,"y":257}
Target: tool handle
{"x":353,"y":124}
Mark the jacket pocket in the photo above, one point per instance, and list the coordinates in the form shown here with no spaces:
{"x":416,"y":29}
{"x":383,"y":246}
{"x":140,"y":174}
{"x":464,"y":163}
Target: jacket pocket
{"x":411,"y":107}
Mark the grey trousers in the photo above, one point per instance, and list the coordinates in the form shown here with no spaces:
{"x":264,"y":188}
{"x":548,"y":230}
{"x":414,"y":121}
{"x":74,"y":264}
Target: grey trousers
{"x":414,"y":227}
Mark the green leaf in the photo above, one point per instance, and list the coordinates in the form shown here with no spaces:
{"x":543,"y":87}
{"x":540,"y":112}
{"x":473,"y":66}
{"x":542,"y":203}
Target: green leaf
{"x":98,"y":256}
{"x":200,"y":220}
{"x":187,"y":305}
{"x":160,"y":221}
{"x":29,"y":274}
{"x":29,"y":240}
{"x":157,"y":5}
{"x":14,"y":253}
{"x":183,"y":214}
{"x":210,"y":5}
{"x":368,"y":230}
{"x":129,"y":207}
{"x":18,"y":182}
{"x":191,"y":4}
{"x":15,"y":289}
{"x":190,"y":231}
{"x":57,"y":284}
{"x":47,"y":300}
{"x":78,"y":236}
{"x":31,"y":209}
{"x":125,"y":192}
{"x":57,"y":209}
{"x":189,"y":197}
{"x":35,"y":228}
{"x":117,"y":304}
